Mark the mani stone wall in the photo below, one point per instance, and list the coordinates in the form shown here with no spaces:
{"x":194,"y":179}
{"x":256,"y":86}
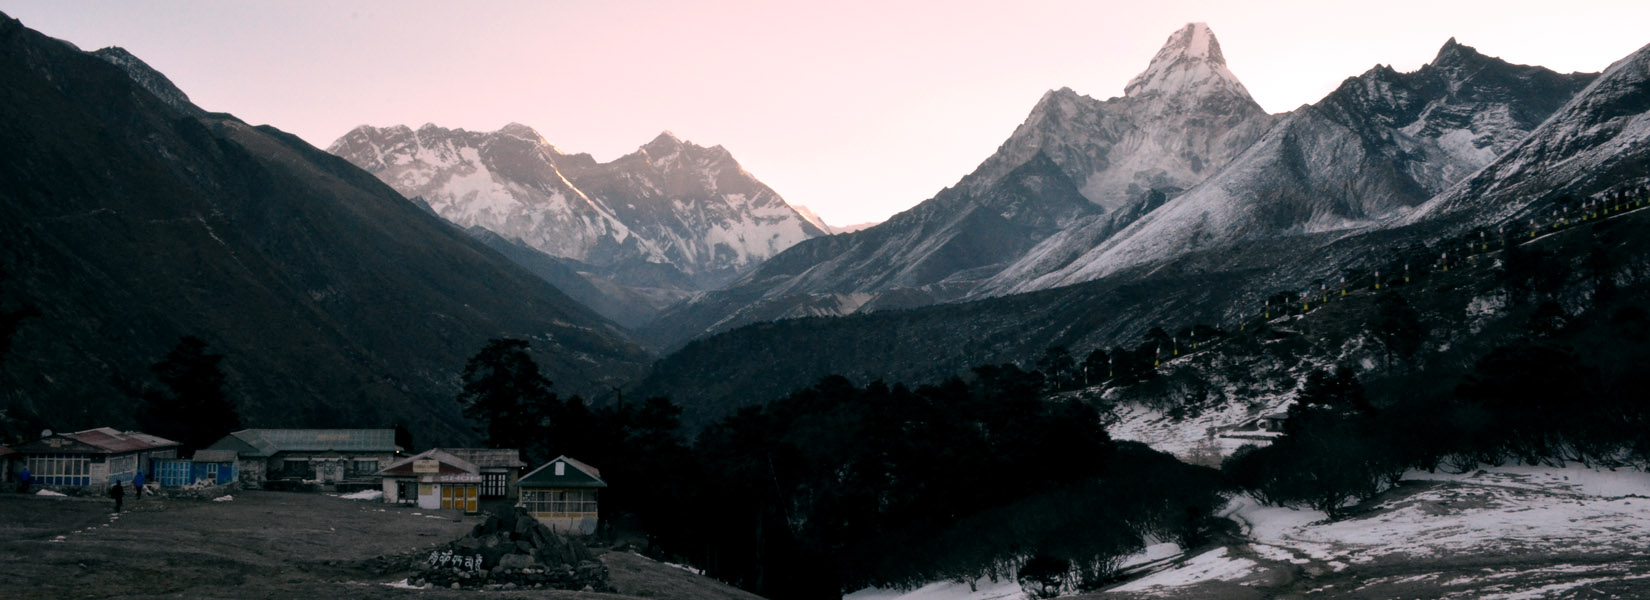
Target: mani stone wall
{"x":513,"y":551}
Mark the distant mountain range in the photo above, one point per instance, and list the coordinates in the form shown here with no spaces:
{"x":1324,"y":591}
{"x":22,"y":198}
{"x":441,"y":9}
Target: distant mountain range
{"x":1184,"y":161}
{"x":665,"y":221}
{"x":350,"y":292}
{"x":132,"y":218}
{"x":1389,"y":164}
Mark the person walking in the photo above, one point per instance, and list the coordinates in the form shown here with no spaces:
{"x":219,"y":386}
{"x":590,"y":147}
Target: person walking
{"x":118,"y":492}
{"x":24,"y":478}
{"x":137,"y":486}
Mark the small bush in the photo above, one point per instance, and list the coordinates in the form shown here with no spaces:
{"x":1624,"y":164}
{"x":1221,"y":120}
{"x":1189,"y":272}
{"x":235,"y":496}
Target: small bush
{"x":1044,"y":576}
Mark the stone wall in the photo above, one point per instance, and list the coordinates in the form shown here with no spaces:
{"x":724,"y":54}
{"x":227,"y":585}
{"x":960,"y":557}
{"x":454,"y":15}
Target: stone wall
{"x":513,"y":551}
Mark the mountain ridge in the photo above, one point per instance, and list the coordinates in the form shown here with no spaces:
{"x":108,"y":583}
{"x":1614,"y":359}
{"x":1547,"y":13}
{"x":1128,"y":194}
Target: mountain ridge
{"x":132,"y":222}
{"x":1123,"y":156}
{"x":671,"y":214}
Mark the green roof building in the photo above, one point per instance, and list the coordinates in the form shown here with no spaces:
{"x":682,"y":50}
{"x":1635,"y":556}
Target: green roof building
{"x":564,"y":494}
{"x":329,"y":457}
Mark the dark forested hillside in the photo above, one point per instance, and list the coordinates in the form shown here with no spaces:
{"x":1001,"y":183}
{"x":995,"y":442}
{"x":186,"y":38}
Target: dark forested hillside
{"x":130,"y":223}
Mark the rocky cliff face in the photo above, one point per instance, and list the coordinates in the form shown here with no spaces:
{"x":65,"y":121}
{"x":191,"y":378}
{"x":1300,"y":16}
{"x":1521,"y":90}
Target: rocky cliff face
{"x":1597,"y":143}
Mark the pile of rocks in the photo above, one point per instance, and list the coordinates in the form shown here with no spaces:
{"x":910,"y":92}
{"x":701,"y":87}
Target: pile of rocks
{"x":512,"y":551}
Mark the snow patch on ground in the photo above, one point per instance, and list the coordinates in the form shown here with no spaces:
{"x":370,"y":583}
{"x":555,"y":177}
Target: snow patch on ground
{"x":983,"y":589}
{"x":1496,"y":510}
{"x":1214,"y":565}
{"x":403,"y":585}
{"x":223,"y":498}
{"x":1187,"y":437}
{"x":365,"y":495}
{"x":1152,"y":553}
{"x":50,"y":493}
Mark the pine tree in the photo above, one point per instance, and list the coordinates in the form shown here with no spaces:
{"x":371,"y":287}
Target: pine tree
{"x":506,"y":395}
{"x":1059,"y":368}
{"x":192,"y":408}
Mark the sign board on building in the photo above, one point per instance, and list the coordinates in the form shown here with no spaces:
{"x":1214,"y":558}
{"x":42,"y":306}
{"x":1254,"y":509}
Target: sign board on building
{"x":426,"y":465}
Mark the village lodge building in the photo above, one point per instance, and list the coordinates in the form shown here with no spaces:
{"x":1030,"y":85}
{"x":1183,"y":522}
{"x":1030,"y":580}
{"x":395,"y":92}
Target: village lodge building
{"x":564,"y":495}
{"x":93,"y":458}
{"x":334,"y":458}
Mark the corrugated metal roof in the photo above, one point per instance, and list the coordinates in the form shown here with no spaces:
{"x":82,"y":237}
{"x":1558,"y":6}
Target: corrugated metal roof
{"x":448,"y":464}
{"x":214,"y":456}
{"x":579,"y":476}
{"x":488,"y":457}
{"x":103,"y":440}
{"x":268,"y":442}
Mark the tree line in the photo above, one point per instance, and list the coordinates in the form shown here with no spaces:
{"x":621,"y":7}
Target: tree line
{"x":839,"y":486}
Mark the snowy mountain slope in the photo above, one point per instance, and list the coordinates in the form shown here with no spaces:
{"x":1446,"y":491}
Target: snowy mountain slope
{"x":1178,"y":122}
{"x":671,"y":214}
{"x":1075,"y":161}
{"x":934,"y":252}
{"x":1599,"y":139}
{"x":810,"y":216}
{"x":1380,"y":144}
{"x":704,"y":213}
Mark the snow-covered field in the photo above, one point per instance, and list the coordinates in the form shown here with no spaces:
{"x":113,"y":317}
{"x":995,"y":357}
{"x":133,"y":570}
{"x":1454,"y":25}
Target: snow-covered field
{"x":1214,"y":565}
{"x":1498,"y":532}
{"x":984,"y":589}
{"x":1494,"y":510}
{"x":1508,"y":533}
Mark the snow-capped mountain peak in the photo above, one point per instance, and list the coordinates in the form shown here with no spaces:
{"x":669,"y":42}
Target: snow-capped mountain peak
{"x":524,"y":133}
{"x":670,"y":215}
{"x":1190,"y":63}
{"x":1456,"y":54}
{"x":664,"y":143}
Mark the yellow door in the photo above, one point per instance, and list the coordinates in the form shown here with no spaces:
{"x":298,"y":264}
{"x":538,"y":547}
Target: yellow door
{"x":471,"y":503}
{"x":446,"y":496}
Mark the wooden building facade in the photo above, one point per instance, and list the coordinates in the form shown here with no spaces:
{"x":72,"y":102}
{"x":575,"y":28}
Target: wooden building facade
{"x":500,"y":469}
{"x":433,"y":480}
{"x":564,"y":494}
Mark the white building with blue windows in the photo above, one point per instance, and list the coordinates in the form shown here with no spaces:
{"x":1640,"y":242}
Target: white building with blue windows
{"x":92,"y":458}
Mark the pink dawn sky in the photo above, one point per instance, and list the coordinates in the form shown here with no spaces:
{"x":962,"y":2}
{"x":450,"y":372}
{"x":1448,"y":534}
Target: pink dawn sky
{"x":855,"y":109}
